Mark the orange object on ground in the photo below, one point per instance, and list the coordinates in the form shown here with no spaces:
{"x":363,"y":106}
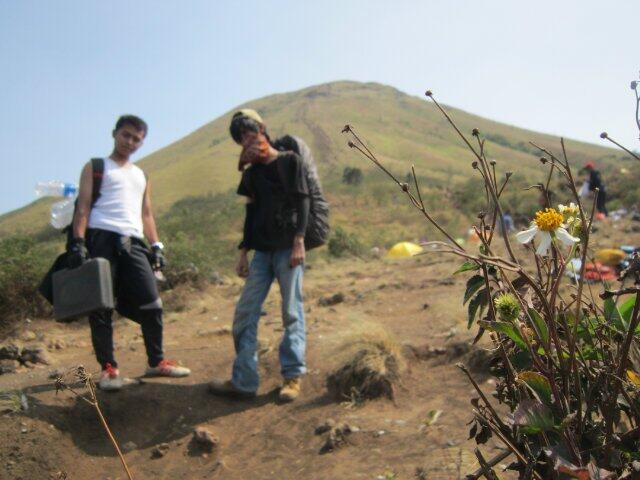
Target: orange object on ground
{"x":597,"y":272}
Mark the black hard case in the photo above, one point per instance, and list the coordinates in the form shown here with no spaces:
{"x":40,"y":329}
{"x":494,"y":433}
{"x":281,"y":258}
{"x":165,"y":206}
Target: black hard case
{"x":83,"y":290}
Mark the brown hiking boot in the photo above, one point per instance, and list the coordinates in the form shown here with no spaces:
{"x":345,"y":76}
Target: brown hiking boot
{"x":290,"y":389}
{"x":227,"y":389}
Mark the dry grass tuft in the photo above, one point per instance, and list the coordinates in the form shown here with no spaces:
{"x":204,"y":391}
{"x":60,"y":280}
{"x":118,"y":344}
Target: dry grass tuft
{"x":371,"y":368}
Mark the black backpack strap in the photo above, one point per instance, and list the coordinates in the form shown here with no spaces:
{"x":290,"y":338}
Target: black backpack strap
{"x":97,"y":167}
{"x":97,"y":173}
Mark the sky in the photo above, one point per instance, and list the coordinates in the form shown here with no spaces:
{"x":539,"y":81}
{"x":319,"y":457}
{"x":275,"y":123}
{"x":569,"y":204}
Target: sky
{"x":68,"y":69}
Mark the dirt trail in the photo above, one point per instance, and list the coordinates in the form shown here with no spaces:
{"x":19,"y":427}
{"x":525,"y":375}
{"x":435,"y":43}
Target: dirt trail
{"x":415,"y":300}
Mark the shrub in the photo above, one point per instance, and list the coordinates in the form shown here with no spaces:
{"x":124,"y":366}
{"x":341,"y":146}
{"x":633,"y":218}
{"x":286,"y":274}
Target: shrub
{"x":352,"y":176}
{"x":342,"y":244}
{"x":566,"y":364}
{"x":201,"y":236}
{"x":23,"y":263}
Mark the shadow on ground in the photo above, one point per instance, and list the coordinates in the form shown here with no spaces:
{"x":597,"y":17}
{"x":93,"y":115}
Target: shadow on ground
{"x":145,"y":414}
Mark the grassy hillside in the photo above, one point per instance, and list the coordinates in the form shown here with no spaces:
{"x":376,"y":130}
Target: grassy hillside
{"x":199,"y":215}
{"x":402,"y":129}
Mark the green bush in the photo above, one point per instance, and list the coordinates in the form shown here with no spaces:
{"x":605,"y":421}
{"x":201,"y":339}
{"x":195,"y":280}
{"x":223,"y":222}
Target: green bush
{"x":352,"y":176}
{"x":23,"y":263}
{"x":342,"y":244}
{"x":201,"y":236}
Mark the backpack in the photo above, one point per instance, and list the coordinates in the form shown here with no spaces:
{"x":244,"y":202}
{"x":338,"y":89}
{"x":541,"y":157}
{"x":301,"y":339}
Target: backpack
{"x":318,"y":229}
{"x":46,"y":285}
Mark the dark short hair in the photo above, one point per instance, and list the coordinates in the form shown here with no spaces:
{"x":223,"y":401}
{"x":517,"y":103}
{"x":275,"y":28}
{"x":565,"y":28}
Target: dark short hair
{"x":241,"y":124}
{"x":136,"y":122}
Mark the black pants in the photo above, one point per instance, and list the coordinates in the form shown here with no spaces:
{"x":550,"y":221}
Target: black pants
{"x":136,"y":295}
{"x":600,"y":202}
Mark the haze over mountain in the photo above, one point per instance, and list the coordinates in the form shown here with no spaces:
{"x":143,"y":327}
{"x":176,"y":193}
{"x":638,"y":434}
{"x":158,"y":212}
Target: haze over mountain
{"x":402,"y":130}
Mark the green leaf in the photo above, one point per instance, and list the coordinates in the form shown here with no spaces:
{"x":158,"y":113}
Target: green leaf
{"x":466,"y":266}
{"x":509,"y":330}
{"x":626,"y":309}
{"x":539,"y":384}
{"x":539,"y":325}
{"x":477,"y":304}
{"x":532,"y":416}
{"x":473,"y":285}
{"x":611,"y":313}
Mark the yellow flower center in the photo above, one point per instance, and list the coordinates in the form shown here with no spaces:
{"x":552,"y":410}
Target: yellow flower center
{"x":548,"y":220}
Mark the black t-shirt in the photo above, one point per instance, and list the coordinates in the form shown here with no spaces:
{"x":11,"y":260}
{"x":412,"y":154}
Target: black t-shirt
{"x":595,"y":181}
{"x":275,"y":188}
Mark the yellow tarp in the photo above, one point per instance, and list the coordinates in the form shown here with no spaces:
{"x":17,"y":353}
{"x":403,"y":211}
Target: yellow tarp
{"x":610,"y":256}
{"x":404,"y":250}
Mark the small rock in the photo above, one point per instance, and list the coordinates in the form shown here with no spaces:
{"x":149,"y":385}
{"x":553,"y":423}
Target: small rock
{"x":28,"y":336}
{"x":23,"y":430}
{"x":222,"y":331}
{"x":216,"y":279}
{"x":34,"y":354}
{"x":325,"y":427}
{"x":130,"y":447}
{"x":205,"y":439}
{"x":56,"y":373}
{"x":10,"y":351}
{"x":425,"y":306}
{"x":379,"y":433}
{"x":57,"y":344}
{"x":337,"y":437}
{"x":160,"y":450}
{"x":8,"y":366}
{"x":451,"y":443}
{"x":332,"y":300}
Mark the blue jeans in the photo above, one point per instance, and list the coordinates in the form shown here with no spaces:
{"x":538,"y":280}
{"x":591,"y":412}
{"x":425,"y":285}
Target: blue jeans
{"x":264,"y":267}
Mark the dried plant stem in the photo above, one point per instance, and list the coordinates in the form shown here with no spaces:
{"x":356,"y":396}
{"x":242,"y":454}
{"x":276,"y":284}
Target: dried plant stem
{"x":418,"y":203}
{"x":494,"y":414}
{"x":621,"y":146}
{"x":86,"y":379}
{"x":488,"y":473}
{"x":491,"y":463}
{"x":506,"y":441}
{"x":491,"y":186}
{"x":96,"y":405}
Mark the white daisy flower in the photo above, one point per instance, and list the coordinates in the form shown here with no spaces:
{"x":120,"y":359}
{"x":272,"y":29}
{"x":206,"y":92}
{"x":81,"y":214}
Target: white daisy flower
{"x":545,"y":227}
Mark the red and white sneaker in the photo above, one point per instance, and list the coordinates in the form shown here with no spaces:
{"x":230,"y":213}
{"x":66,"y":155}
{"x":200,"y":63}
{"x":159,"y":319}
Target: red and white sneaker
{"x":110,"y":379}
{"x":168,"y":368}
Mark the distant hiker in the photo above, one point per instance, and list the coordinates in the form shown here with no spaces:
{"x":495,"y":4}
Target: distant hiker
{"x":595,"y":181}
{"x":113,"y":227}
{"x":508,"y":223}
{"x":277,"y":214}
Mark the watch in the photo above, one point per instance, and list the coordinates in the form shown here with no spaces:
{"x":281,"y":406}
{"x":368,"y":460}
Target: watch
{"x":158,"y":245}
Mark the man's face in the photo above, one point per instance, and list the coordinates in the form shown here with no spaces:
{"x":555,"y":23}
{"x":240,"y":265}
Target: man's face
{"x":128,"y":139}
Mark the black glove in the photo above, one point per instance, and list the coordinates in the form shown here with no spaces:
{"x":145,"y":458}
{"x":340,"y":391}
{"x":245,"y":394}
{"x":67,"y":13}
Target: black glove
{"x":77,"y":253}
{"x":157,"y":258}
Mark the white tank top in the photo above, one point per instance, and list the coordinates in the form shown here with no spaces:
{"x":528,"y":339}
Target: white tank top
{"x":119,"y":207}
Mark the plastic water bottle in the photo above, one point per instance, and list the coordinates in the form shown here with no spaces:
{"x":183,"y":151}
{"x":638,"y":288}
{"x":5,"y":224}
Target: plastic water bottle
{"x":62,"y":213}
{"x":56,"y":189}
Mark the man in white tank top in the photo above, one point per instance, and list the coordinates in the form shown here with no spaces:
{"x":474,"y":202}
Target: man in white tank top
{"x":114,"y":228}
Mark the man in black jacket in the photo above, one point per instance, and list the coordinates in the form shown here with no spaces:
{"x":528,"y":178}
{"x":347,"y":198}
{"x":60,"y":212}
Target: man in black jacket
{"x":277,"y":214}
